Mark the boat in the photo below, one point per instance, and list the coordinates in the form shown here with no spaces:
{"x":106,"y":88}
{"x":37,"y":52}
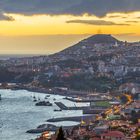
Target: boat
{"x":43,"y":128}
{"x":38,"y":99}
{"x":57,"y":110}
{"x":46,"y":97}
{"x":43,"y":103}
{"x":35,"y":100}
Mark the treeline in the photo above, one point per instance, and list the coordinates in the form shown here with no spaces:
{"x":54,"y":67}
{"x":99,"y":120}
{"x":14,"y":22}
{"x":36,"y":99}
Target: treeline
{"x":82,"y":82}
{"x":6,"y":76}
{"x":9,"y":77}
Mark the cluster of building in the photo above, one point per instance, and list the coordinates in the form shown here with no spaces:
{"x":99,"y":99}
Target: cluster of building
{"x":116,"y":60}
{"x":97,"y":56}
{"x":115,"y":123}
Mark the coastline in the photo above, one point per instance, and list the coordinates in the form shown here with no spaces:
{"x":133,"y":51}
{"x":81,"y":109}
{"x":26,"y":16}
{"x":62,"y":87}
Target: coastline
{"x":33,"y":89}
{"x":19,"y":111}
{"x":38,"y":90}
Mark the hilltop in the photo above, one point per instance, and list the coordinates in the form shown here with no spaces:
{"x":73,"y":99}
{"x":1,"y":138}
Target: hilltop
{"x":91,"y":44}
{"x":102,"y":38}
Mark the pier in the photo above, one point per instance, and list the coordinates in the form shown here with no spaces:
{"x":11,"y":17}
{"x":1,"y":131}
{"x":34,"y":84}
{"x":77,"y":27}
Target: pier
{"x":75,"y":119}
{"x":85,"y":100}
{"x":63,"y":107}
{"x":85,"y":109}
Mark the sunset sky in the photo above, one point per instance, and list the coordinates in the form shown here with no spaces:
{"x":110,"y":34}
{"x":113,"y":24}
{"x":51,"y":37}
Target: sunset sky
{"x":48,"y":26}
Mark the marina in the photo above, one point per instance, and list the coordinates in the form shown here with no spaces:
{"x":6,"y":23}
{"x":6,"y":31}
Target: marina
{"x":19,"y":114}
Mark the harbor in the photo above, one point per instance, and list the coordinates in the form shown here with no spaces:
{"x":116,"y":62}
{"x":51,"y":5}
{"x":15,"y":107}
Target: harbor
{"x":18,"y":113}
{"x":50,"y":111}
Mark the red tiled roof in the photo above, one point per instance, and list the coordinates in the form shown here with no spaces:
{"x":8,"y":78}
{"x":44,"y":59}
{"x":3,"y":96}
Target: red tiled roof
{"x":114,"y":134}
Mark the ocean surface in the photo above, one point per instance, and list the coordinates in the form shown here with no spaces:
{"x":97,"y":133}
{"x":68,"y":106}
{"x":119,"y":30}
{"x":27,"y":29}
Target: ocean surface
{"x":8,"y":56}
{"x":18,"y":113}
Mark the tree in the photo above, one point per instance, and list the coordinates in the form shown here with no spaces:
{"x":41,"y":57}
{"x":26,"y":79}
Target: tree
{"x":134,"y":117}
{"x":60,"y":135}
{"x":138,"y":137}
{"x":124,"y":99}
{"x":103,"y":115}
{"x":86,"y":137}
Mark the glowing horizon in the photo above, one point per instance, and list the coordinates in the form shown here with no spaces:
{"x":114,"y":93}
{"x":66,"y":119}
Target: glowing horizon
{"x":66,"y":24}
{"x":39,"y":33}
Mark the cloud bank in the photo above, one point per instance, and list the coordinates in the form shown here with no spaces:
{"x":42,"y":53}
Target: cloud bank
{"x":73,"y":7}
{"x":97,"y":7}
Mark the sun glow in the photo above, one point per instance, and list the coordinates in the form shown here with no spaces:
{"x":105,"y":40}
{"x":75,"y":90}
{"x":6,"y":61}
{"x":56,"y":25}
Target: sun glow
{"x":36,"y":33}
{"x":47,"y":24}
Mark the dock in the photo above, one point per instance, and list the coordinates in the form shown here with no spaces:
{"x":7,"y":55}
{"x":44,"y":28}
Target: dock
{"x":63,"y":107}
{"x":48,"y":127}
{"x":85,"y":109}
{"x":85,"y":100}
{"x":75,"y":119}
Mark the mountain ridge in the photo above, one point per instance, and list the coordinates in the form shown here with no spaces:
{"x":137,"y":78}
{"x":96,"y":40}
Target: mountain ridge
{"x":102,"y":38}
{"x":87,"y":44}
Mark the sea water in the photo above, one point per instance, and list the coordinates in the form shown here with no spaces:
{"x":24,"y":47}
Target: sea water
{"x":18,"y":113}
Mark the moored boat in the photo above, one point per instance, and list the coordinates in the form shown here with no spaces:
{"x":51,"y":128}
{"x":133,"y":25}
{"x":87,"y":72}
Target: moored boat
{"x":43,"y":103}
{"x":57,"y":110}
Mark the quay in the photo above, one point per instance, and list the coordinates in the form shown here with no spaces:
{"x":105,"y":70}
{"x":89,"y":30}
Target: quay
{"x":85,"y":109}
{"x":47,"y":127}
{"x":63,"y":107}
{"x":75,"y":119}
{"x":85,"y":100}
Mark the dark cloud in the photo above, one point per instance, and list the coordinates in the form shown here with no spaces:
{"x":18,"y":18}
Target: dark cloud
{"x":94,"y":22}
{"x":102,"y":7}
{"x":30,"y":7}
{"x":75,"y":7}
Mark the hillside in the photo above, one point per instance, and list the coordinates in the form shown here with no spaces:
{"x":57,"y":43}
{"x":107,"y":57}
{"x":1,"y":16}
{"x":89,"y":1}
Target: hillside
{"x":89,"y":46}
{"x":99,"y":62}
